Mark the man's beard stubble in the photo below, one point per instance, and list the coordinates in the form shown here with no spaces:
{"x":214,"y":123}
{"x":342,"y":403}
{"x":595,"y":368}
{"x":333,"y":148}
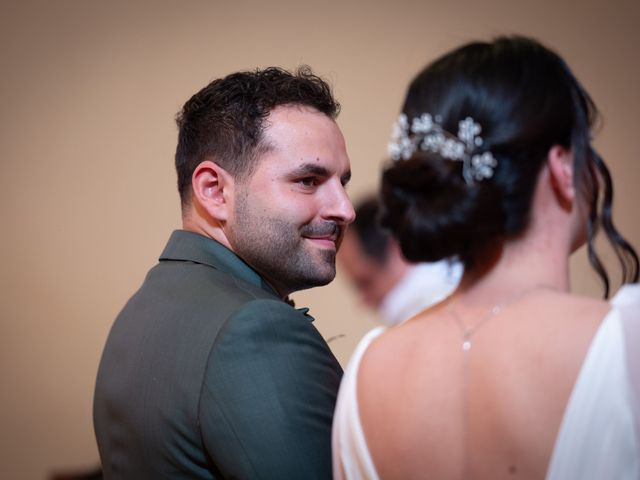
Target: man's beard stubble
{"x":276,"y":249}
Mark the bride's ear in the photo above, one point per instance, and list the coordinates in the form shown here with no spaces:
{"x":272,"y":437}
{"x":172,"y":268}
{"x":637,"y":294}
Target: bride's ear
{"x":560,"y":163}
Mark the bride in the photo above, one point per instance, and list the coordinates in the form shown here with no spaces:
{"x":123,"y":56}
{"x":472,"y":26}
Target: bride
{"x":513,"y":375}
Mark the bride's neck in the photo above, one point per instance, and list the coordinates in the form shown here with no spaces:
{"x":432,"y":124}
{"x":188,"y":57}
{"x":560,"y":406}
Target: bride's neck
{"x":518,"y":265}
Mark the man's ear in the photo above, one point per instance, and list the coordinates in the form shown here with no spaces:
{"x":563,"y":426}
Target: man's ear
{"x":560,"y":162}
{"x":212,"y":188}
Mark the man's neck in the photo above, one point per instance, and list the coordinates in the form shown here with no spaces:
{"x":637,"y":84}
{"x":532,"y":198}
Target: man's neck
{"x":198,"y":225}
{"x":210,"y":229}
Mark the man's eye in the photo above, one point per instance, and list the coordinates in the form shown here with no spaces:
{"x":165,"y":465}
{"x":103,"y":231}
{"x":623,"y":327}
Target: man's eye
{"x":308,"y":181}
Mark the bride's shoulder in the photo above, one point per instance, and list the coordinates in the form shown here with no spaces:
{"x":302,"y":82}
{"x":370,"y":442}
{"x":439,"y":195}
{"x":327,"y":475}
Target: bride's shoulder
{"x":626,"y":299}
{"x":571,"y":305}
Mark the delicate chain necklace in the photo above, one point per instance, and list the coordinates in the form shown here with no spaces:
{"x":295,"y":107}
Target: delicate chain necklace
{"x":467,"y":334}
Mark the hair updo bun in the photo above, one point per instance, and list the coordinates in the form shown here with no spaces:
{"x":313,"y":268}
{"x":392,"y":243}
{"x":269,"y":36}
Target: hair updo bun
{"x":523,"y":99}
{"x":502,"y":88}
{"x":434,"y":214}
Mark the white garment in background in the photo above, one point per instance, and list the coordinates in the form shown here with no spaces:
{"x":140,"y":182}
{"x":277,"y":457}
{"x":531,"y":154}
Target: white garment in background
{"x":423,"y":285}
{"x":600,"y":432}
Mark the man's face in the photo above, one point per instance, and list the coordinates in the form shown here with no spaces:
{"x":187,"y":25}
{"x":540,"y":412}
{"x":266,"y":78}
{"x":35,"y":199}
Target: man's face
{"x":290,"y":215}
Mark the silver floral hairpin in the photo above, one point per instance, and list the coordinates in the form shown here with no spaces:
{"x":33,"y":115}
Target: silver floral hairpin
{"x":426,"y":133}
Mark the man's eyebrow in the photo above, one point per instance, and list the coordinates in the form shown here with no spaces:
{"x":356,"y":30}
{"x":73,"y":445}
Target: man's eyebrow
{"x":307,"y":169}
{"x":310,"y":169}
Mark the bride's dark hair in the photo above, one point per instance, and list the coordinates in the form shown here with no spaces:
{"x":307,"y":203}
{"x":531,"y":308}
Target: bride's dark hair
{"x":526,"y":100}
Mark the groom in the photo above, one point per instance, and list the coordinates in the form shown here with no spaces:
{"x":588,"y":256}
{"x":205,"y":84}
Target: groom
{"x":208,"y":371}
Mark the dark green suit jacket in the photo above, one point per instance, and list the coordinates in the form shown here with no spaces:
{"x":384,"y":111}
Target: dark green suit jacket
{"x":208,"y":374}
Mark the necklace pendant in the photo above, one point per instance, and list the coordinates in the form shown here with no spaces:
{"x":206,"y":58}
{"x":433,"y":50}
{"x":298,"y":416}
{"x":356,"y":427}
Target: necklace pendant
{"x":466,"y":345}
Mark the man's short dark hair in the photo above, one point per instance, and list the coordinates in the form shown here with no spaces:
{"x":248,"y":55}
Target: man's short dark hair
{"x":224,"y":122}
{"x":373,"y":238}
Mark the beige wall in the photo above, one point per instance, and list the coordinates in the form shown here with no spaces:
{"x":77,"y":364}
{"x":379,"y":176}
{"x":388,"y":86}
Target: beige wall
{"x":89,"y":91}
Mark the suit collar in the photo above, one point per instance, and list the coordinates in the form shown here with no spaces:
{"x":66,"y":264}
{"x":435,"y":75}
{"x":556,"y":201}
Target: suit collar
{"x":192,"y":247}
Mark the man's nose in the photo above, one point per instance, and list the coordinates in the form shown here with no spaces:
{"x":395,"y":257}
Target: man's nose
{"x":339,"y":206}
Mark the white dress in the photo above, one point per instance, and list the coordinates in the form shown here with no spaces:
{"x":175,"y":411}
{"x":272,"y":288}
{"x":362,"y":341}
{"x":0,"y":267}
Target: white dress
{"x":599,"y":436}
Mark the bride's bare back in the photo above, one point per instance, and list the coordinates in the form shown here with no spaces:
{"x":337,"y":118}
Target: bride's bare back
{"x":523,"y":364}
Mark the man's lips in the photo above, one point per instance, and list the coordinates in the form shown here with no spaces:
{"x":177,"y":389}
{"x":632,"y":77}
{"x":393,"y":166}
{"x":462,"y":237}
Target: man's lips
{"x":327,"y":235}
{"x":330,"y":241}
